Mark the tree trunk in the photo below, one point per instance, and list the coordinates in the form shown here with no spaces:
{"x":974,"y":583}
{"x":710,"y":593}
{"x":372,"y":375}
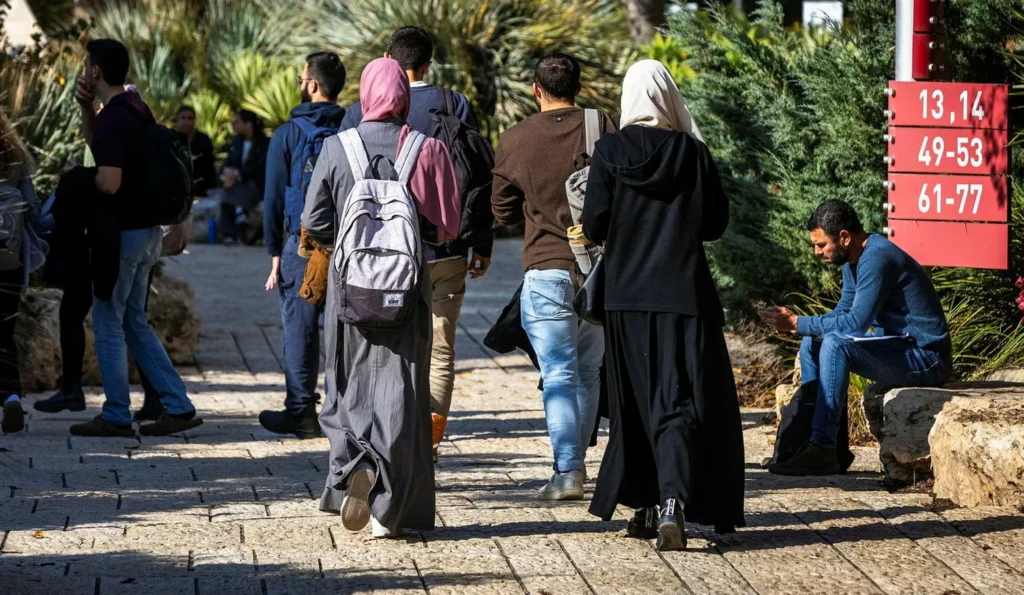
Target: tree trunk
{"x":645,"y":16}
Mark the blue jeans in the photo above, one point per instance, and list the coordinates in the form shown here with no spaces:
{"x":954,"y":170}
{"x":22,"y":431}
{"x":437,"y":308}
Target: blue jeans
{"x":890,"y":362}
{"x":122,"y":323}
{"x":301,"y":321}
{"x":570,"y":355}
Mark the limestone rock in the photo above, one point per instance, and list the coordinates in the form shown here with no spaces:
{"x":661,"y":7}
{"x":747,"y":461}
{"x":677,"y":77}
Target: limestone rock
{"x":784,"y":393}
{"x":1014,"y":375}
{"x":172,"y":312}
{"x":977,"y":447}
{"x":37,"y":335}
{"x":873,"y":400}
{"x":908,"y":415}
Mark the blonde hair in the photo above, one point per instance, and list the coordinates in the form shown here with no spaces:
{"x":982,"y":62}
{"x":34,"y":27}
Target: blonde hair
{"x":15,"y":160}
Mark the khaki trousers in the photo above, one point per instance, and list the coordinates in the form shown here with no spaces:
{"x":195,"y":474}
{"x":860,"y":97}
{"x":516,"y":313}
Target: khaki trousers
{"x":449,"y":280}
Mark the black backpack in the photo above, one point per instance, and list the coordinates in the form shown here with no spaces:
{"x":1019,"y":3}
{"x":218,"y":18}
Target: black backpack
{"x":167,"y":178}
{"x":473,"y":158}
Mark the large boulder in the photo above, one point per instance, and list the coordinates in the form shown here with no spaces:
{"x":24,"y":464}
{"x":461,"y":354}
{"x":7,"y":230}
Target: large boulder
{"x":907,"y":417}
{"x":977,"y":449}
{"x":172,"y":312}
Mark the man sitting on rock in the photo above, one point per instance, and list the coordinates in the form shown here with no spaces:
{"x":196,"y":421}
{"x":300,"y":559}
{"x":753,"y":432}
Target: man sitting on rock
{"x":888,"y":327}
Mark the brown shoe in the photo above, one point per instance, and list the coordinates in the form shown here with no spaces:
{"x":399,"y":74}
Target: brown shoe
{"x":101,"y":428}
{"x":171,"y":424}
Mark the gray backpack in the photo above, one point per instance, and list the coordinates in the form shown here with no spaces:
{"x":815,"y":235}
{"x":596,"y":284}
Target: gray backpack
{"x":576,"y":190}
{"x":12,"y":226}
{"x":378,"y":255}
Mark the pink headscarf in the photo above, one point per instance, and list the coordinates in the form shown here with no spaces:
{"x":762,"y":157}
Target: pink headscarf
{"x":384,"y":94}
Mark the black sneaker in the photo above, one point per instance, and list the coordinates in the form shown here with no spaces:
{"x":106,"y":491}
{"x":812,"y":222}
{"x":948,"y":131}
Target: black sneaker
{"x":169,"y":424}
{"x":644,"y":524}
{"x":14,"y":417}
{"x":61,"y":401}
{"x":809,"y":460}
{"x":101,"y":428}
{"x":671,"y":537}
{"x":304,"y":425}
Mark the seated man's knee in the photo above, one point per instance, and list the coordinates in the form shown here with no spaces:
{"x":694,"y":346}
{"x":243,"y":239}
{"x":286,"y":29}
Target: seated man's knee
{"x":834,"y":344}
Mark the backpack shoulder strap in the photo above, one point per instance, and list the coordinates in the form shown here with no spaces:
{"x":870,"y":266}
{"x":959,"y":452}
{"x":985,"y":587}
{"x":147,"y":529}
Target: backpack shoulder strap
{"x":407,"y":157}
{"x":448,"y":101}
{"x":305,"y":125}
{"x":358,"y":160}
{"x":592,"y":126}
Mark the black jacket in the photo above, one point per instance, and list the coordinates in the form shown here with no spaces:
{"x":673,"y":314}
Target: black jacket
{"x":654,"y":197}
{"x":77,"y":208}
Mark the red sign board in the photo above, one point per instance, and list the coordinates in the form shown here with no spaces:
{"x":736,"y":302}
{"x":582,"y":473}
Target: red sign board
{"x":971,"y":245}
{"x":949,"y":198}
{"x":954,"y":105}
{"x":948,"y":151}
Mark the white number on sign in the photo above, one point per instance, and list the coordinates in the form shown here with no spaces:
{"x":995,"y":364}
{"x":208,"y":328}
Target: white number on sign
{"x":978,"y":158}
{"x":969,"y":151}
{"x":964,"y":191}
{"x":937,"y":111}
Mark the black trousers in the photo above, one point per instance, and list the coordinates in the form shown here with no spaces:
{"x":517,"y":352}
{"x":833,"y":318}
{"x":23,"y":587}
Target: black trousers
{"x":74,"y":307}
{"x":10,"y":301}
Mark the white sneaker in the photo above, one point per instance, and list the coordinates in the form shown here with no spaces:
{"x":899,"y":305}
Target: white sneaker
{"x":379,"y":531}
{"x":563,"y":486}
{"x":355,"y":508}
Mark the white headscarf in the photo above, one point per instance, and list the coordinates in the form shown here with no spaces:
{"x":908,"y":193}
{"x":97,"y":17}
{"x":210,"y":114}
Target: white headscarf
{"x":651,"y":98}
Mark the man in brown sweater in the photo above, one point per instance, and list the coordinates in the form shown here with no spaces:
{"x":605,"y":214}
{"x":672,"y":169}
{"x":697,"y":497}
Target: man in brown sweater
{"x":532,"y":162}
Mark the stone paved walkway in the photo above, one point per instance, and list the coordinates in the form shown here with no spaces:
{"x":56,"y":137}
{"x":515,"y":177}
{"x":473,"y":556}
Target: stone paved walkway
{"x":229,"y":508}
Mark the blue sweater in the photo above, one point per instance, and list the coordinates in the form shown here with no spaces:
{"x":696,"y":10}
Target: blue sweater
{"x":279,"y":162}
{"x":886,"y":288}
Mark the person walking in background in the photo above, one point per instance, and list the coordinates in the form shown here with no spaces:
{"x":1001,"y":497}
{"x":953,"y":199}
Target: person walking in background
{"x":244,"y":174}
{"x":203,"y":166}
{"x":68,"y":268}
{"x":20,"y":211}
{"x":887,"y":297}
{"x":378,"y":391}
{"x":429,"y":108}
{"x":533,"y":161}
{"x":293,"y":150}
{"x":654,"y":197}
{"x":115,"y":137}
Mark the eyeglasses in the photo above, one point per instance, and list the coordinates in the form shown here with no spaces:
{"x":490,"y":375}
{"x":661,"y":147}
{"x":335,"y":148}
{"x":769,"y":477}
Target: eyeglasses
{"x":301,"y":80}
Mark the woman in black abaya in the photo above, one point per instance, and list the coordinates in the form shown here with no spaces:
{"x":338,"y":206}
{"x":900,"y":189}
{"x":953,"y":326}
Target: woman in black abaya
{"x":675,"y":450}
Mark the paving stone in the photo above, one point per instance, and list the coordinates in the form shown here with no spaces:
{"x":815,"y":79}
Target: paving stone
{"x":227,"y":561}
{"x":148,"y":585}
{"x":870,"y":543}
{"x":965,"y":557}
{"x":289,"y":534}
{"x":621,"y":565}
{"x":542,"y":566}
{"x":72,"y":540}
{"x":210,"y":535}
{"x":28,"y":584}
{"x":777,"y":553}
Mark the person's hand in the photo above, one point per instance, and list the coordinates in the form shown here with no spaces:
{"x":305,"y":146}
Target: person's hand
{"x":478,"y":266}
{"x":275,"y":272}
{"x":84,"y":94}
{"x":780,"y":319}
